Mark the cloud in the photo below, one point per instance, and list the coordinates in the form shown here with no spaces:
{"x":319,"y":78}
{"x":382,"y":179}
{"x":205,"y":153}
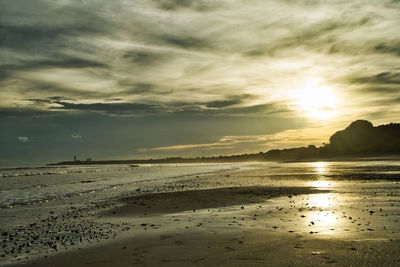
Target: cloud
{"x":187,"y":42}
{"x":143,"y":58}
{"x":287,"y":138}
{"x":320,"y":35}
{"x":388,"y":48}
{"x":178,"y":147}
{"x":230,"y":101}
{"x":233,"y":106}
{"x":383,"y":78}
{"x":76,"y":136}
{"x":23,"y":112}
{"x":111,"y":108}
{"x":198,"y":5}
{"x":23,"y":139}
{"x":15,"y":36}
{"x":159,"y":50}
{"x":225,"y":65}
{"x":61,"y":62}
{"x":379,"y":90}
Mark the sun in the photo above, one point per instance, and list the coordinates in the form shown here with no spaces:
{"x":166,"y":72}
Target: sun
{"x":317,"y":101}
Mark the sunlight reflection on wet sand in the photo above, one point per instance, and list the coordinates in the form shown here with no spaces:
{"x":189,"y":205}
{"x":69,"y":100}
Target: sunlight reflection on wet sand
{"x":340,"y":207}
{"x":320,"y":167}
{"x":322,"y":184}
{"x":321,"y":200}
{"x":322,"y":218}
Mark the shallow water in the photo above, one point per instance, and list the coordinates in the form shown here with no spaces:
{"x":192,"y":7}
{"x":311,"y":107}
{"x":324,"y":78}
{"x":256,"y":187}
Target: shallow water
{"x":358,"y":200}
{"x":30,"y":186}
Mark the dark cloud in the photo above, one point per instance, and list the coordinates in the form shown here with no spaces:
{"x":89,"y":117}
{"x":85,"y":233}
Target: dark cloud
{"x":110,"y":108}
{"x":199,"y":5}
{"x":233,"y":100}
{"x":57,"y":98}
{"x":321,"y":36}
{"x":187,"y":42}
{"x":226,"y":109}
{"x":27,"y":36}
{"x":388,"y":48}
{"x":380,"y":90}
{"x":262,"y":109}
{"x":223,"y":103}
{"x":140,"y":88}
{"x":4,"y":74}
{"x":143,"y":58}
{"x":23,"y":112}
{"x":36,"y":37}
{"x":142,"y":109}
{"x":212,"y":108}
{"x":62,"y":61}
{"x":53,"y":90}
{"x":379,"y":106}
{"x":383,"y":78}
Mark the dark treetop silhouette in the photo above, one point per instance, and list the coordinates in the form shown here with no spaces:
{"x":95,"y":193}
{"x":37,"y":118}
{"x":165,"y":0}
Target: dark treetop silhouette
{"x":360,"y":138}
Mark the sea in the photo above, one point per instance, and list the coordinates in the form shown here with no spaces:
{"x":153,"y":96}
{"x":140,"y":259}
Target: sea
{"x":23,"y":186}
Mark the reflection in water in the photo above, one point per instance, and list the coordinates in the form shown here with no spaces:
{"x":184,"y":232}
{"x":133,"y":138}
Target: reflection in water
{"x":321,"y":200}
{"x":323,"y":219}
{"x":321,"y":184}
{"x":320,"y":167}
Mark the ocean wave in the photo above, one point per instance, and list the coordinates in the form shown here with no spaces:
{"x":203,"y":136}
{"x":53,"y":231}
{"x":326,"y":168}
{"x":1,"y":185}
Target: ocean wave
{"x":17,"y":172}
{"x":45,"y":189}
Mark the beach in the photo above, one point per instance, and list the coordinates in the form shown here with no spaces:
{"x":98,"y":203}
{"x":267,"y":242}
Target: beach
{"x":294,"y":214}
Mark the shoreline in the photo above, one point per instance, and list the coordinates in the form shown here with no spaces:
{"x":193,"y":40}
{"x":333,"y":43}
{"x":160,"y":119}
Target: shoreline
{"x":229,"y":159}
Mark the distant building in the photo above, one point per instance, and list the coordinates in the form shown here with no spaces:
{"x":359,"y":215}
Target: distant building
{"x":89,"y":159}
{"x":74,"y":158}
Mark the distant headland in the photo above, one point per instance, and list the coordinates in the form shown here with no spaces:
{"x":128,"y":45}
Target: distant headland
{"x":359,"y":139}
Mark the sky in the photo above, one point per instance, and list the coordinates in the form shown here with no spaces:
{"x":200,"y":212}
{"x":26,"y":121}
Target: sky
{"x":160,"y":78}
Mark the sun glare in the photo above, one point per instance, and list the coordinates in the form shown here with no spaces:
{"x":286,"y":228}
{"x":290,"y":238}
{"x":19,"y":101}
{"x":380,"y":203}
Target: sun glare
{"x":321,"y":184}
{"x":317,"y":101}
{"x":321,"y":200}
{"x":320,"y":167}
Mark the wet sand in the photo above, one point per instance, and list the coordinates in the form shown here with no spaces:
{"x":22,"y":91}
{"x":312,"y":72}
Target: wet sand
{"x":236,"y":248}
{"x":266,"y":223}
